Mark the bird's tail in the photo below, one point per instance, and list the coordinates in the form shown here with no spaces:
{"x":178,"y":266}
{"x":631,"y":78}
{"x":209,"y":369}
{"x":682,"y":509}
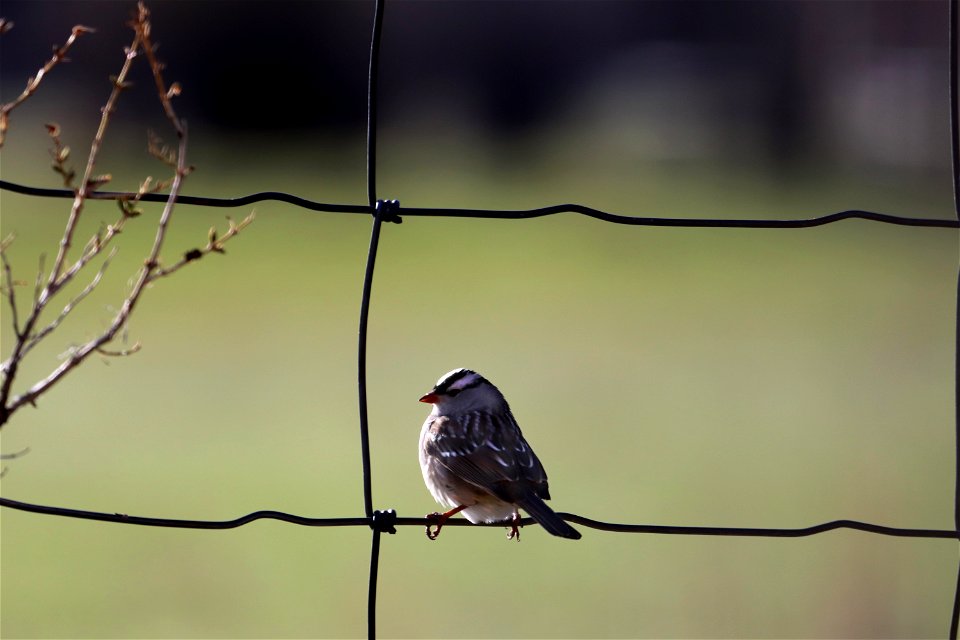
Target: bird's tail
{"x":547,"y":518}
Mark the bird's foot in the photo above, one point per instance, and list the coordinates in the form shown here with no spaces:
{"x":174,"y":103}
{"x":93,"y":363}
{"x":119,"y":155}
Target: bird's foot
{"x":437,"y":519}
{"x":514,"y":533}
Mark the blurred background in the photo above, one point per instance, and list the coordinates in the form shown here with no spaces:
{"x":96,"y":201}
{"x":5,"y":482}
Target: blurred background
{"x":667,"y":376}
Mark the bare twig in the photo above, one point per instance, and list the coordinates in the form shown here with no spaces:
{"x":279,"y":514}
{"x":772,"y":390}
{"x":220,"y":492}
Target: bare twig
{"x":121,"y":353}
{"x":60,"y":153}
{"x":38,"y":285}
{"x":102,"y":239}
{"x":59,"y":55}
{"x":9,"y":289}
{"x":70,"y":306}
{"x":159,"y":150}
{"x":141,"y":42}
{"x":62,"y":273}
{"x":142,"y":26}
{"x":15,"y":454}
{"x":87,"y":184}
{"x":55,"y":282}
{"x":214,"y":245}
{"x":81,"y":353}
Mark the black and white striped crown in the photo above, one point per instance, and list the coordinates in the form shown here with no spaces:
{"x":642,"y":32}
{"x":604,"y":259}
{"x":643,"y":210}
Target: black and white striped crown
{"x":458,"y":380}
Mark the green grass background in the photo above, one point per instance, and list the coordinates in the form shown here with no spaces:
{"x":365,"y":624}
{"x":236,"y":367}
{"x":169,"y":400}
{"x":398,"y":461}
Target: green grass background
{"x":667,"y":376}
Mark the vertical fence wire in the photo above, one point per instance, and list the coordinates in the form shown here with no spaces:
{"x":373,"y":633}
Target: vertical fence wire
{"x":954,"y":27}
{"x":372,"y":582}
{"x":377,"y":211}
{"x":371,"y":254}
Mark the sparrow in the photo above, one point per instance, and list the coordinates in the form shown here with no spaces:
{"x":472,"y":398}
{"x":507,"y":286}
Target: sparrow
{"x":475,"y":460}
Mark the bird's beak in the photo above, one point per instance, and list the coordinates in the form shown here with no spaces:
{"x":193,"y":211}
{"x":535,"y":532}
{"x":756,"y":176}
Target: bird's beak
{"x":430,"y":398}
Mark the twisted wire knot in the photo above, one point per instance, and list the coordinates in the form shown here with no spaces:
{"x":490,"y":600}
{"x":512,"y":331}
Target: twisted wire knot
{"x":384,"y":521}
{"x":388,"y":211}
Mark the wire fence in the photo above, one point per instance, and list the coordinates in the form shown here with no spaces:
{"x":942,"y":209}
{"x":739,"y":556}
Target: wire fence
{"x":390,"y":211}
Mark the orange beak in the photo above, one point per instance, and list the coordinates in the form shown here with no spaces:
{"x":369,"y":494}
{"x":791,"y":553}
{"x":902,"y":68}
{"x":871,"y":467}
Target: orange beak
{"x":430,"y":398}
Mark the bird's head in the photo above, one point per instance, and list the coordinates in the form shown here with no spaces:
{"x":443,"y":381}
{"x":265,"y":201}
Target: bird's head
{"x":463,"y":390}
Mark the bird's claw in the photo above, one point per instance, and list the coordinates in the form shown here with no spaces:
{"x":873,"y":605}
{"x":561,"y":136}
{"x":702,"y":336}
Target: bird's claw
{"x":514,"y":533}
{"x":440,"y":519}
{"x":434,"y":519}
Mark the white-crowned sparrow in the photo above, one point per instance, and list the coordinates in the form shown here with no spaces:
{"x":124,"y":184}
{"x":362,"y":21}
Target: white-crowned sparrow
{"x":474,"y":458}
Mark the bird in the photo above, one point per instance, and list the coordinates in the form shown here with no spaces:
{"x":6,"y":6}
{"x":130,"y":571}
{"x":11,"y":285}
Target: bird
{"x":475,"y":459}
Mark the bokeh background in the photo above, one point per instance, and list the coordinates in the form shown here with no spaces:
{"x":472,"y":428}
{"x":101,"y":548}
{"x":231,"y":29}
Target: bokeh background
{"x":727,"y":377}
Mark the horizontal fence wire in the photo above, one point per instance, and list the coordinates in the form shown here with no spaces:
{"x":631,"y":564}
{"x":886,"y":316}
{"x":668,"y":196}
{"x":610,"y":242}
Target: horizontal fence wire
{"x":390,"y":211}
{"x":500,"y":214}
{"x":389,"y":520}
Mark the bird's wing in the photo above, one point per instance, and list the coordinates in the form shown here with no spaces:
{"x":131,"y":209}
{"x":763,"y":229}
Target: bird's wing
{"x":488,"y":450}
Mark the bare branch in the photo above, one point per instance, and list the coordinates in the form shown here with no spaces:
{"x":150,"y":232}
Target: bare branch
{"x":59,"y":55}
{"x":15,"y":454}
{"x":214,"y":245}
{"x":93,"y":248}
{"x":141,"y":41}
{"x":49,"y":285}
{"x":87,"y":184}
{"x":122,"y":353}
{"x":128,"y":209}
{"x":159,"y":150}
{"x":79,"y":354}
{"x":70,"y":306}
{"x":38,"y":285}
{"x":60,"y":153}
{"x":142,"y":26}
{"x":9,"y":289}
{"x":55,"y":282}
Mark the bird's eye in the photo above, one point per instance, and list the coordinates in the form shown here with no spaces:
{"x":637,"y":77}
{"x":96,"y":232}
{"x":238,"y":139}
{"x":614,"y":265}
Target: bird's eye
{"x":453,"y":393}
